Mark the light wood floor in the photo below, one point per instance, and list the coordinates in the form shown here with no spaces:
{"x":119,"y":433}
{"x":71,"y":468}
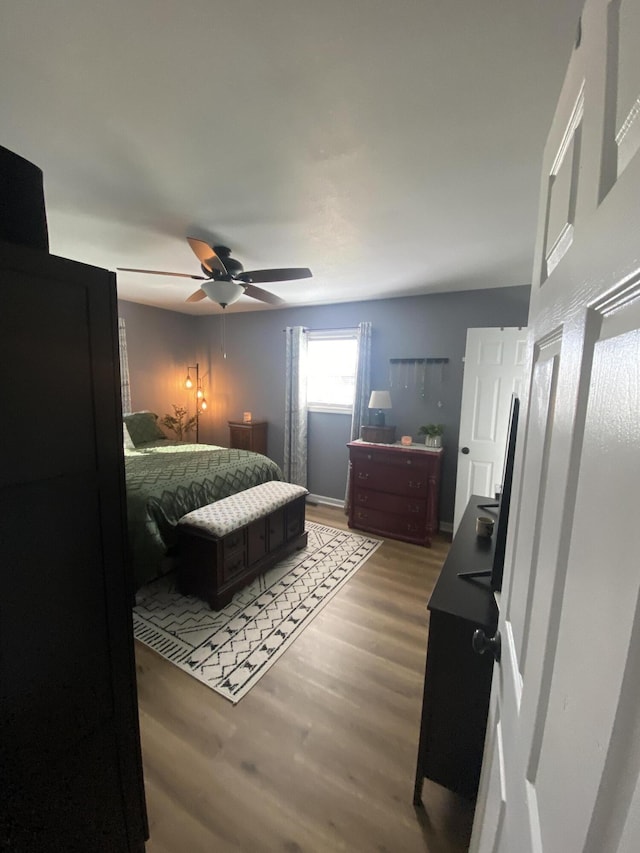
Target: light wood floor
{"x":320,"y":755}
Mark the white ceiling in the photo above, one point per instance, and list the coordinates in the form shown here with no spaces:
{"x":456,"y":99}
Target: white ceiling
{"x":392,"y":147}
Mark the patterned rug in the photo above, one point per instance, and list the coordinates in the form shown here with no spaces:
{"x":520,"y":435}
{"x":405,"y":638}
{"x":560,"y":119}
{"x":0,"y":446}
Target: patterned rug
{"x":230,"y":650}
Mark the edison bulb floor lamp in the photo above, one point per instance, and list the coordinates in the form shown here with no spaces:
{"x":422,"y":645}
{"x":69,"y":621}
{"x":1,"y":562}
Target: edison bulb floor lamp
{"x":201,"y":402}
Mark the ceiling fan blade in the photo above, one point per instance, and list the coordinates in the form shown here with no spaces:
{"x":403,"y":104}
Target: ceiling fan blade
{"x":274,"y":275}
{"x":197,"y":296}
{"x":263,"y":295}
{"x":163,"y":272}
{"x":206,"y":255}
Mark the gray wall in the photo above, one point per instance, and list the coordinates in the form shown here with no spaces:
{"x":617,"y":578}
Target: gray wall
{"x":251,"y":377}
{"x":160,"y":344}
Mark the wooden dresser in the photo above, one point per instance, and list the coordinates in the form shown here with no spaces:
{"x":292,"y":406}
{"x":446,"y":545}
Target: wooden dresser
{"x":248,"y":436}
{"x":394,"y":490}
{"x":457,"y":682}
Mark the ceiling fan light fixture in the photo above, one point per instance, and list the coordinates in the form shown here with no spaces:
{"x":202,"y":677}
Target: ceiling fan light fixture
{"x":223,"y":292}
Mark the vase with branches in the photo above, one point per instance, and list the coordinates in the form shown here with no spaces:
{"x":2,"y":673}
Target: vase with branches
{"x":178,"y":422}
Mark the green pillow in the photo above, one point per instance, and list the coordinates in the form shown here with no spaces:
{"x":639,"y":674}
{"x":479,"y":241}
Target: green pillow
{"x":143,"y":427}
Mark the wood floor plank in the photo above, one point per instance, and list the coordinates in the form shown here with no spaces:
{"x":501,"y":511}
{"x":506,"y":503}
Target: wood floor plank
{"x":320,"y":755}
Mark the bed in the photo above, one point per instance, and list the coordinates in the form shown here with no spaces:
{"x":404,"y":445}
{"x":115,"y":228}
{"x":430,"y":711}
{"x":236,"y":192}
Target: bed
{"x":166,"y":479}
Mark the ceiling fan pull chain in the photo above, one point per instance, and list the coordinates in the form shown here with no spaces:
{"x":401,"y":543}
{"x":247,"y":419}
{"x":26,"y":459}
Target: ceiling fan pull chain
{"x":224,"y":333}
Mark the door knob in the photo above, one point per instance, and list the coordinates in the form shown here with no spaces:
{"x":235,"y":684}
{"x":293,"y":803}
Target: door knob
{"x":464,"y":450}
{"x":481,"y":644}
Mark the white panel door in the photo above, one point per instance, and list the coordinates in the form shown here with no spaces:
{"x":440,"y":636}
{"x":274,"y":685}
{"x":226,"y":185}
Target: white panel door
{"x":562,"y":755}
{"x":494,"y":368}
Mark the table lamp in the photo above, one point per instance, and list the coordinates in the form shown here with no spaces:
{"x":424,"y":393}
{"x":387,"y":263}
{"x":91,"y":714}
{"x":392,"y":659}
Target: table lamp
{"x":378,"y":401}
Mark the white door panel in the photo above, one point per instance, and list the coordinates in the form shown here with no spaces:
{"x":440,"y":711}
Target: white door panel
{"x":565,"y":725}
{"x":494,"y":368}
{"x":492,"y":799}
{"x":532,"y":498}
{"x":600,"y":604}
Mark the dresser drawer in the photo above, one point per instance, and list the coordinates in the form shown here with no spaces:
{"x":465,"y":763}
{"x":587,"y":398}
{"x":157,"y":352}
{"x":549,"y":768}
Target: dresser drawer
{"x":397,"y":460}
{"x":399,"y":504}
{"x":397,"y":480}
{"x":378,"y":521}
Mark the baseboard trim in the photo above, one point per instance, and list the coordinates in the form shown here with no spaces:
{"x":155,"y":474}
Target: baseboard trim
{"x":321,"y":499}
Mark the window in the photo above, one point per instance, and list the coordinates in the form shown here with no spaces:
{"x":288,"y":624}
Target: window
{"x":331,"y":370}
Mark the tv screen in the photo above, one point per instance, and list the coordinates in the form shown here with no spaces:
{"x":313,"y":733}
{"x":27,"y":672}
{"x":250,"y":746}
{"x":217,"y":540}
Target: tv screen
{"x":505,"y":497}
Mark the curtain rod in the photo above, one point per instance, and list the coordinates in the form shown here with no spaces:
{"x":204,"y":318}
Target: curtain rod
{"x":338,"y":329}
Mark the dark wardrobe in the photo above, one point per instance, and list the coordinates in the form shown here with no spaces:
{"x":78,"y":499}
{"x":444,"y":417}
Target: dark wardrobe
{"x":70,"y":762}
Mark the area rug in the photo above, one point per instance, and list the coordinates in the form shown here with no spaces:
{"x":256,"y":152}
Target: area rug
{"x":230,"y":650}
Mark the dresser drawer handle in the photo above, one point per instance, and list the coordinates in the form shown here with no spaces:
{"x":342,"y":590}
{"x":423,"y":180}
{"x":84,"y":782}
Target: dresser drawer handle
{"x":362,"y":476}
{"x":415,"y":484}
{"x":415,"y":508}
{"x":363,"y":499}
{"x":363,"y":514}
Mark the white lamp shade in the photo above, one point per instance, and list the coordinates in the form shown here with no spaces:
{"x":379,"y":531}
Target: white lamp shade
{"x":223,"y":292}
{"x":380,"y":400}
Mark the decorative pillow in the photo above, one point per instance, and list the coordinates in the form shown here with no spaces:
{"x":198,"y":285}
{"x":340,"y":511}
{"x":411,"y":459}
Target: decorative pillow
{"x":143,"y":427}
{"x":126,"y":438}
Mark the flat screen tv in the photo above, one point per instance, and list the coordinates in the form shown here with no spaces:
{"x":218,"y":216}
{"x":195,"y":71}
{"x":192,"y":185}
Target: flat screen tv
{"x":504,"y":501}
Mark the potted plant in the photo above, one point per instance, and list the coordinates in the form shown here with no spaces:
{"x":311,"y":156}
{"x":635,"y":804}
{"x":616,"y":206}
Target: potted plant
{"x":432,"y":434}
{"x":178,"y":422}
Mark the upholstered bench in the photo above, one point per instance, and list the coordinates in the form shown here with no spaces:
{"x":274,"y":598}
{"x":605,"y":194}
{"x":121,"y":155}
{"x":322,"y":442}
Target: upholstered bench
{"x":225,"y":545}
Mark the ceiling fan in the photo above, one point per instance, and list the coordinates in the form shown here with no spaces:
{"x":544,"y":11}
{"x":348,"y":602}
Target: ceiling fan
{"x":225,"y":280}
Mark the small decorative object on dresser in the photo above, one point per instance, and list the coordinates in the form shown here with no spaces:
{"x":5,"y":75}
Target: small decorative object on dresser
{"x":378,"y":434}
{"x":394,"y":490}
{"x":432,"y":434}
{"x":248,"y":436}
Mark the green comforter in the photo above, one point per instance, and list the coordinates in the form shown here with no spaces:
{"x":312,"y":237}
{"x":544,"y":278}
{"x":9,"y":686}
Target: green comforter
{"x":167,"y":479}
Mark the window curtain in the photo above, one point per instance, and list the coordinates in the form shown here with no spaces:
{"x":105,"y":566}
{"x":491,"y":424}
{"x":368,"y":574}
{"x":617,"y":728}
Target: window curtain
{"x":125,"y":387}
{"x":295,"y":421}
{"x":362,"y":391}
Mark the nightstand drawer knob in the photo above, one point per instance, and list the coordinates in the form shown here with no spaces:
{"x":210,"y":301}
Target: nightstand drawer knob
{"x":362,"y":476}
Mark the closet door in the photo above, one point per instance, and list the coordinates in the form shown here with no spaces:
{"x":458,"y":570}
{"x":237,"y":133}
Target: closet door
{"x":69,"y":745}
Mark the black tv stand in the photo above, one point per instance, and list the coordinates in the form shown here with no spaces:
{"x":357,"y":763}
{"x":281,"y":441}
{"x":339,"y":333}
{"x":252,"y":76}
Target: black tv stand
{"x":457,"y":681}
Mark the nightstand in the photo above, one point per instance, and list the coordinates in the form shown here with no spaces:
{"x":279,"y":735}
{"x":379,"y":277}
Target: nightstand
{"x":248,"y":436}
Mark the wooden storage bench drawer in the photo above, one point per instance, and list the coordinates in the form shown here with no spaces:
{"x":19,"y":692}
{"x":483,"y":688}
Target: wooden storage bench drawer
{"x":225,"y":545}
